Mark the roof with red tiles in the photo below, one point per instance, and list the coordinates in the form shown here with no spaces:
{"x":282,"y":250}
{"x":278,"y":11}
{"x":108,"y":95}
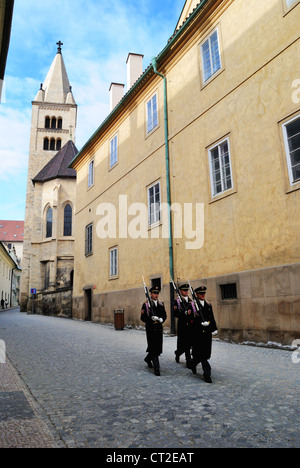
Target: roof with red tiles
{"x":11,"y":231}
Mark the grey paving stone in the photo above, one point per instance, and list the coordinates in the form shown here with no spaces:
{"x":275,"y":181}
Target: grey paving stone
{"x":94,"y":389}
{"x":14,"y":405}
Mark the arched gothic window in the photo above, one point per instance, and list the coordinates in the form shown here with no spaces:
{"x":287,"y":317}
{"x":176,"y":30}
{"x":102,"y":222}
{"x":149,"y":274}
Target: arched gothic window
{"x":49,"y":222}
{"x":46,"y":144}
{"x":47,"y":122}
{"x":59,"y":123}
{"x":68,"y":220}
{"x":58,"y":144}
{"x":53,"y":122}
{"x":52,"y":144}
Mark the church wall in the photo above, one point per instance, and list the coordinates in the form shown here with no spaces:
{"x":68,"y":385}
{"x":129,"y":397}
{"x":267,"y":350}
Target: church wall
{"x":55,"y":303}
{"x":251,"y":231}
{"x":68,"y":116}
{"x":55,"y":253}
{"x":66,"y":109}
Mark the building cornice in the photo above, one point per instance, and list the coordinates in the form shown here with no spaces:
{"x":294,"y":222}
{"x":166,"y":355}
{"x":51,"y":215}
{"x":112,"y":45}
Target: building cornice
{"x":53,"y":130}
{"x":53,"y":106}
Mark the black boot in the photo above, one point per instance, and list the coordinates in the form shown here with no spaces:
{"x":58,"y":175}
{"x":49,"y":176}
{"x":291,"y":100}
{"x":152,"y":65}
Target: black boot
{"x":191,"y":365}
{"x":207,"y":378}
{"x":206,"y":371}
{"x":148,"y":361}
{"x":156,"y":365}
{"x":188,"y":357}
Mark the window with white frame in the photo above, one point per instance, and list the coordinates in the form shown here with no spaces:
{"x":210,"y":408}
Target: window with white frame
{"x":154,"y":208}
{"x":291,"y":134}
{"x":220,"y":167}
{"x":91,"y":174}
{"x":113,"y":151}
{"x":113,"y":262}
{"x":89,"y":239}
{"x":152,"y":113}
{"x":210,"y":56}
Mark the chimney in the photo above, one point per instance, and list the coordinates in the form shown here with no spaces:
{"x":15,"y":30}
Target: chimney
{"x":134,"y":68}
{"x":116,"y":94}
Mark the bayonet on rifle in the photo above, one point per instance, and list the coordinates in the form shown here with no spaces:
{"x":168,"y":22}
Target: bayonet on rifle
{"x":195,"y":301}
{"x":176,"y":290}
{"x":203,"y":323}
{"x":147,"y":295}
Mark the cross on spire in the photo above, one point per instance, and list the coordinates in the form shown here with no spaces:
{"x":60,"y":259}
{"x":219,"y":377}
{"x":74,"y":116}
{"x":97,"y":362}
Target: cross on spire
{"x":59,"y":43}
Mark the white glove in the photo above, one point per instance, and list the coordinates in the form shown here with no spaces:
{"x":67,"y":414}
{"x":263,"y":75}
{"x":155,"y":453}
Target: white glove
{"x":215,"y":333}
{"x":161,"y":320}
{"x":154,"y":318}
{"x":205,"y":324}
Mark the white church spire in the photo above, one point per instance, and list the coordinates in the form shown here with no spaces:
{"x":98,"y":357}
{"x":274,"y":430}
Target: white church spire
{"x":56,"y":86}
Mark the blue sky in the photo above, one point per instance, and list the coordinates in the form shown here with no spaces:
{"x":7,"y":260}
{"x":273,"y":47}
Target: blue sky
{"x":97,"y":37}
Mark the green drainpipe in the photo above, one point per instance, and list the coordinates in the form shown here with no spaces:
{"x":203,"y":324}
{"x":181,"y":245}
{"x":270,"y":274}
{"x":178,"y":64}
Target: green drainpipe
{"x":171,"y":258}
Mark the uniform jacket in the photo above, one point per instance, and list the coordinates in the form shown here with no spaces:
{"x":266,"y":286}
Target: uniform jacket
{"x":185,"y":316}
{"x":181,"y":309}
{"x":186,"y":320}
{"x":154,"y":330}
{"x":202,"y":339}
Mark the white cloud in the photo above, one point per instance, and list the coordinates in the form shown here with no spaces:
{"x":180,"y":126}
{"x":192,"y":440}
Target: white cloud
{"x":14,"y":138}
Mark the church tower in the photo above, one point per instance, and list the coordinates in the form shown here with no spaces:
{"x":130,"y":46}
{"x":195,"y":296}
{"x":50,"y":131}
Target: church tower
{"x":53,"y":125}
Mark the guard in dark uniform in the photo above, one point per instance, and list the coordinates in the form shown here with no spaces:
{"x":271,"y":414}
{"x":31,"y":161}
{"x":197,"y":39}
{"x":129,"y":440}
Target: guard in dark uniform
{"x":154,"y":315}
{"x":205,"y":328}
{"x":185,"y":323}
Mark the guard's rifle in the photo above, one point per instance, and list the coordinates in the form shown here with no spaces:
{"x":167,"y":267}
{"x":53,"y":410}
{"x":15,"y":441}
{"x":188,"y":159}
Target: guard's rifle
{"x":176,"y":290}
{"x":196,"y":301}
{"x":148,"y":297}
{"x":182,"y":302}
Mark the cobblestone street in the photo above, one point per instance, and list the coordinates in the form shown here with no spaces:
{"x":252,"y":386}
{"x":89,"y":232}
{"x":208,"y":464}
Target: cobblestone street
{"x":80,"y":384}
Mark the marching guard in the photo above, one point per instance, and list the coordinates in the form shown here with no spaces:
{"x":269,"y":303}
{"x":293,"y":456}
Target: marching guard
{"x":205,"y":327}
{"x":153,"y":314}
{"x":185,"y":323}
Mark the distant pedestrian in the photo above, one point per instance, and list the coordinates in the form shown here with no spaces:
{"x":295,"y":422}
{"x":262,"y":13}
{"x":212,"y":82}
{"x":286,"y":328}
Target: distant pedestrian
{"x":205,"y":328}
{"x":153,"y":314}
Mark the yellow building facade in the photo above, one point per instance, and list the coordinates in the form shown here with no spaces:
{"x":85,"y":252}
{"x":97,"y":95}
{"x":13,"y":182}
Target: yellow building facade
{"x":9,"y":278}
{"x":221,"y":104}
